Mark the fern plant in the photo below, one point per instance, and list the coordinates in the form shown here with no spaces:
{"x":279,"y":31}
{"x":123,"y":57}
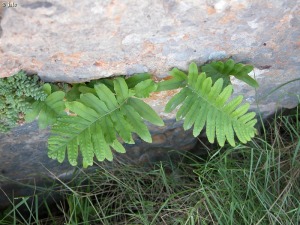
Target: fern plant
{"x":101,"y":121}
{"x":95,"y":117}
{"x":206,"y":103}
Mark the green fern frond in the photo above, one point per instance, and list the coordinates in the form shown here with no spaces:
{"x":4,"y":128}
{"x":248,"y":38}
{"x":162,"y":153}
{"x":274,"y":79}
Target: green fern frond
{"x":48,"y":110}
{"x":101,"y":121}
{"x":218,"y":69}
{"x":204,"y":103}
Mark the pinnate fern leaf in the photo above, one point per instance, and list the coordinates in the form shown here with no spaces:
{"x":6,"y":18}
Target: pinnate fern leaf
{"x":48,"y":110}
{"x":219,"y":69}
{"x":101,"y":120}
{"x":204,"y":103}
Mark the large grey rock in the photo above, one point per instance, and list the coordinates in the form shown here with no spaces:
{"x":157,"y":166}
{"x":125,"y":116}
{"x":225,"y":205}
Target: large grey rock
{"x":76,"y":41}
{"x":83,"y":40}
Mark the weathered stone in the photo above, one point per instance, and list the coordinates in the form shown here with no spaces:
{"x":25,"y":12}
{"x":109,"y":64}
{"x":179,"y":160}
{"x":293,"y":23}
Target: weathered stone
{"x":75,"y":41}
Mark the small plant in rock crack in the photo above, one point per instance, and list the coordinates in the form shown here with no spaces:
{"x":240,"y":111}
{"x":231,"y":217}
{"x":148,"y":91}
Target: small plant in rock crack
{"x":16,"y":94}
{"x":95,"y":117}
{"x":104,"y":114}
{"x":204,"y":102}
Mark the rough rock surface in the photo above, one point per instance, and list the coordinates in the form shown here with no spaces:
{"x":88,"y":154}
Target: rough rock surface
{"x":83,"y":40}
{"x":76,"y":41}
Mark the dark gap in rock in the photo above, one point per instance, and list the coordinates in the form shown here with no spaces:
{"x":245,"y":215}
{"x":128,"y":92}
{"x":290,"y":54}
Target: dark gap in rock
{"x":38,"y":4}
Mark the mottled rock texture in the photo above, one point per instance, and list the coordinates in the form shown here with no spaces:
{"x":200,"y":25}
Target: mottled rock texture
{"x":74,"y":41}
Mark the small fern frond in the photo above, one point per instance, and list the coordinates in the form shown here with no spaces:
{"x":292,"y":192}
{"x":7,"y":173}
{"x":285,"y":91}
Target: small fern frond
{"x":101,"y":120}
{"x":48,"y":110}
{"x":218,"y":69}
{"x":204,"y":103}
